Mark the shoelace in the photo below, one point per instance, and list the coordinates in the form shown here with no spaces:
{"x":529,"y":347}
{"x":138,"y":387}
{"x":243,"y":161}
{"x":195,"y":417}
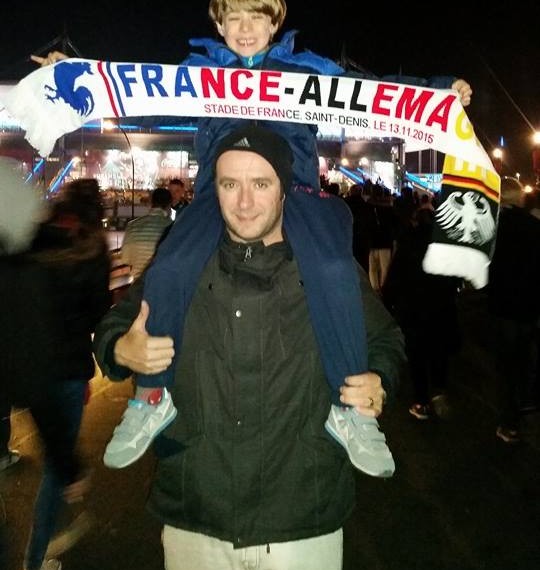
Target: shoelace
{"x":369,"y":429}
{"x":131,"y":421}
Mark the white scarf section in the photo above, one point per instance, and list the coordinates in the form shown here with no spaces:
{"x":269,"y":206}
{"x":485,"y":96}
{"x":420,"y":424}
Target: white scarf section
{"x":61,"y":98}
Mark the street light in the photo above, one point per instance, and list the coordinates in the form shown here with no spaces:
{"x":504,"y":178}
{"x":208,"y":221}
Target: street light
{"x":498,"y":156}
{"x":516,"y":180}
{"x":109,"y":125}
{"x":536,"y":156}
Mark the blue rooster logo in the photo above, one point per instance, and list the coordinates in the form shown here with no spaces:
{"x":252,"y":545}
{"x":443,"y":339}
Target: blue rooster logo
{"x":65,"y":75}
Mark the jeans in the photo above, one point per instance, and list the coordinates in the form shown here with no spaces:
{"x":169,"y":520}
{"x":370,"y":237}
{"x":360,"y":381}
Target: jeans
{"x":186,"y":550}
{"x":379,"y":263}
{"x":66,"y":403}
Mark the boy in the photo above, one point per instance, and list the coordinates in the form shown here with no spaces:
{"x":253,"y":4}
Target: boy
{"x":247,"y":28}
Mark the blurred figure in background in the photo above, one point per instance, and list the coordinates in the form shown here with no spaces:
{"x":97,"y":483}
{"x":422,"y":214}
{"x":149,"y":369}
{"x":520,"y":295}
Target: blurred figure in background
{"x":177,"y":188}
{"x":425,"y":307}
{"x":363,"y":224}
{"x":514,"y":305}
{"x":71,"y":251}
{"x":382,"y":235}
{"x":143,"y":234}
{"x":19,"y":208}
{"x":21,"y":310}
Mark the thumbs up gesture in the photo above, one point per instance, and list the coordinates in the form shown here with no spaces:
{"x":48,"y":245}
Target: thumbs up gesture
{"x":139,"y":351}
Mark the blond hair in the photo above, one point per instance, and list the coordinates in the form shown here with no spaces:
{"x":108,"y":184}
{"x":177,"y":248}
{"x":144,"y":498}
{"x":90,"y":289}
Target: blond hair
{"x":276,"y":9}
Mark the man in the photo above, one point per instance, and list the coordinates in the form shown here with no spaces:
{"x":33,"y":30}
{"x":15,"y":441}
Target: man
{"x":143,"y":234}
{"x":247,"y":469}
{"x":180,"y":200}
{"x":514,"y":305}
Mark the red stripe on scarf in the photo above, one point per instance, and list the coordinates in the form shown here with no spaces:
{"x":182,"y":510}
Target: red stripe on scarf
{"x":108,"y":87}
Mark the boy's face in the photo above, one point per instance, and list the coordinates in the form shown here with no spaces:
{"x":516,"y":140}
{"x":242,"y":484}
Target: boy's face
{"x":250,"y":197}
{"x":246,"y":32}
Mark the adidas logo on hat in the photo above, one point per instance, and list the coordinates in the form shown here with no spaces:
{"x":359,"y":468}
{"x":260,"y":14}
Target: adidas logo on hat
{"x":264,"y":142}
{"x":243,"y":142}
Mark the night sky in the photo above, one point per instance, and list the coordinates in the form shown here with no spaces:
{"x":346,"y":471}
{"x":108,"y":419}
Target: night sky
{"x":497,"y":49}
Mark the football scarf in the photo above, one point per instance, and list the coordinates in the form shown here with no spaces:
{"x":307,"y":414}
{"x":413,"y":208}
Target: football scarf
{"x":61,"y":98}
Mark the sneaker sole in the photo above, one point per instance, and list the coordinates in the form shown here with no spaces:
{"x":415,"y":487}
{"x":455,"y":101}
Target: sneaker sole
{"x":11,"y":461}
{"x":510,"y":439}
{"x":387,"y":473}
{"x":114,"y":464}
{"x":421,"y":417}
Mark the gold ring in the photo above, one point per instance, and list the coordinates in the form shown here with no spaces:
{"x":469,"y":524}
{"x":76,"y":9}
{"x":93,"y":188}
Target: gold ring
{"x":371,"y":402}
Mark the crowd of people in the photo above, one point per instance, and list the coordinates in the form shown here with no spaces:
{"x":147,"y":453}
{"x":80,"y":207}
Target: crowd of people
{"x":426,"y":305}
{"x":254,"y":385}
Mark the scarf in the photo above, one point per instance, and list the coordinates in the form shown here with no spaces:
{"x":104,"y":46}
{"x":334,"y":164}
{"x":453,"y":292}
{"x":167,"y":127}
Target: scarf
{"x":58,"y":99}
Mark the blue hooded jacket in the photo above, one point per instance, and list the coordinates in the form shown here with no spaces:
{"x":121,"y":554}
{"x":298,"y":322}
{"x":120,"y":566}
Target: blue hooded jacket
{"x":318,"y":227}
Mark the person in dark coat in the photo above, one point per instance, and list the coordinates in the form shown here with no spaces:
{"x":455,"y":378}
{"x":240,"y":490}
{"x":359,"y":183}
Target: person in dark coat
{"x":425,"y":307}
{"x":71,"y":251}
{"x":53,"y":289}
{"x":514,"y":306}
{"x":23,"y":311}
{"x":250,"y":386}
{"x":363,"y":224}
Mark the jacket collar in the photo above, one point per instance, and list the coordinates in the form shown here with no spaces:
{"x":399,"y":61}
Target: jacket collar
{"x":222,"y":56}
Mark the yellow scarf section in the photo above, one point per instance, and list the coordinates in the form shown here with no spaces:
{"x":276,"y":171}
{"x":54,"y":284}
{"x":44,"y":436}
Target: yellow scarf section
{"x":465,"y":222}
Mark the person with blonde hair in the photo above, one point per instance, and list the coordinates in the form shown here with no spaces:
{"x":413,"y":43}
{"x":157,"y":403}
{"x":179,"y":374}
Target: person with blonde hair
{"x":243,"y":447}
{"x":318,"y":227}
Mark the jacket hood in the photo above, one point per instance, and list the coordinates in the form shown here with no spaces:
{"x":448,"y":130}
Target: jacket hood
{"x":218,"y":54}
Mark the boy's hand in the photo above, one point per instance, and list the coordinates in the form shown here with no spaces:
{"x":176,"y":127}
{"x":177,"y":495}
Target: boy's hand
{"x":52,"y":57}
{"x":139,"y":351}
{"x":464,"y":90}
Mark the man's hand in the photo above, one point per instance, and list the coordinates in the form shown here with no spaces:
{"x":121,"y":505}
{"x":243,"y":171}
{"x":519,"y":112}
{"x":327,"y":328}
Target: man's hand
{"x":464,"y":90}
{"x":364,"y":392}
{"x":52,"y":57}
{"x":139,"y":351}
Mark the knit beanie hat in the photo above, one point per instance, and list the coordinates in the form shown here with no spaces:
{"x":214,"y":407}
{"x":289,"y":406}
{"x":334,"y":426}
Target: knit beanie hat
{"x":264,"y":142}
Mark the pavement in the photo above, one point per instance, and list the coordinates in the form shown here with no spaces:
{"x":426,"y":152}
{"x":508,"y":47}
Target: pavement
{"x":460,"y":498}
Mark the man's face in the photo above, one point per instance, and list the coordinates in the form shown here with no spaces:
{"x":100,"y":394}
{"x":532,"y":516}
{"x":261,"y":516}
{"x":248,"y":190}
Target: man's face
{"x":250,"y":197}
{"x":177,"y":192}
{"x":246,"y":32}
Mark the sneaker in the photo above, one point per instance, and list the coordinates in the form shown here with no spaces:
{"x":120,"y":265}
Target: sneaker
{"x":364,"y":442}
{"x":12,"y":458}
{"x":420,"y":411}
{"x":440,"y":406}
{"x":507,"y":435}
{"x":51,"y":564}
{"x":140,"y":424}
